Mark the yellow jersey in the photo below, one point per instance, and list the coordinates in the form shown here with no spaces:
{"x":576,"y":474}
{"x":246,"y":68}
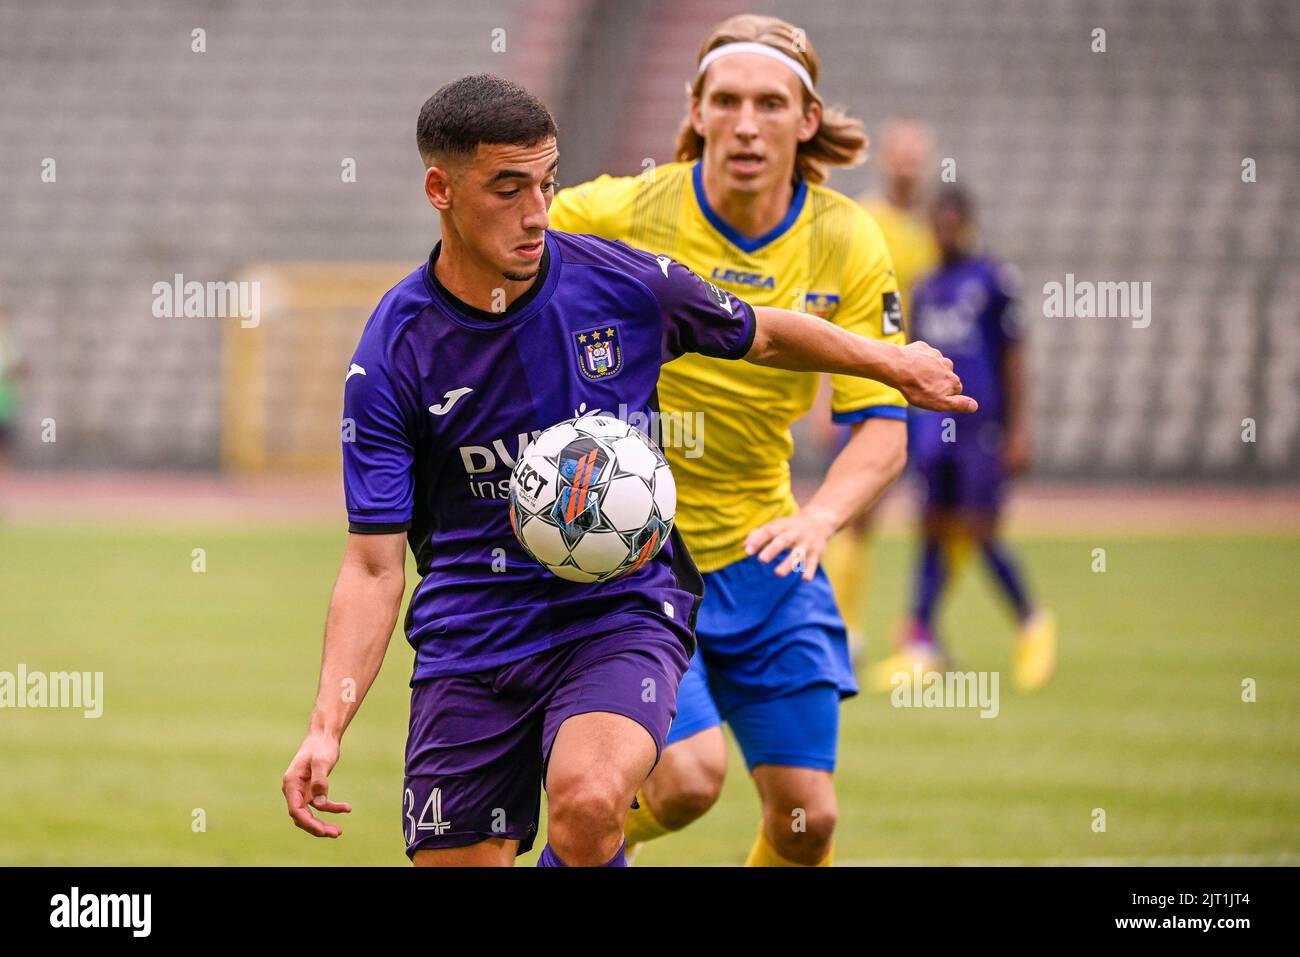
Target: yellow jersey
{"x":827,"y":257}
{"x":911,"y":244}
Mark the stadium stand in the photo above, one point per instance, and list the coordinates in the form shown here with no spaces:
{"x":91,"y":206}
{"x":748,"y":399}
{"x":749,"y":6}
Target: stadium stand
{"x":1117,"y":166}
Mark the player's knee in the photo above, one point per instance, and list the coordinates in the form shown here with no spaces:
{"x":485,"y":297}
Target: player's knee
{"x":688,"y":780}
{"x":690,"y":797}
{"x":804,"y":835}
{"x":584,"y":821}
{"x":821,"y":827}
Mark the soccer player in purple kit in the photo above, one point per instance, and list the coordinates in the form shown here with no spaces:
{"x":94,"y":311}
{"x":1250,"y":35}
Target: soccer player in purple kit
{"x":521,"y":679}
{"x":967,"y":307}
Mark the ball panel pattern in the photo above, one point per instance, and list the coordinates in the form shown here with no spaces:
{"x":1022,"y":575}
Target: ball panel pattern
{"x":592,"y":498}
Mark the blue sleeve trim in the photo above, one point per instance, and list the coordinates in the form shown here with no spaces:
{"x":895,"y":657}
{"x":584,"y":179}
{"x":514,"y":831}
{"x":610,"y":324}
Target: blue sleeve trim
{"x":898,"y":412}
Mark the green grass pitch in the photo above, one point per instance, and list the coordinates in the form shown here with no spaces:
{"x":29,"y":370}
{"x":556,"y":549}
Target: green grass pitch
{"x":209,"y":678}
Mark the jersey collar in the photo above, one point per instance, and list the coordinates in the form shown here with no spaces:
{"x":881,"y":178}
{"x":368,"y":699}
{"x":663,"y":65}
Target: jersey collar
{"x":522,"y":309}
{"x":744,"y":243}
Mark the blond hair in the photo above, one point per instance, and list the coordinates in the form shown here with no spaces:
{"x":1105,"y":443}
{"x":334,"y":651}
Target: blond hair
{"x":840,"y":139}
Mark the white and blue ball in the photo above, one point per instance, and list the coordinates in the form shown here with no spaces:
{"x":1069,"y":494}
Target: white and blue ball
{"x":592,"y":498}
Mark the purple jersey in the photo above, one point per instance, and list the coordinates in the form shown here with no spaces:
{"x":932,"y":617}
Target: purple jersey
{"x":966,"y":310}
{"x":442,"y":398}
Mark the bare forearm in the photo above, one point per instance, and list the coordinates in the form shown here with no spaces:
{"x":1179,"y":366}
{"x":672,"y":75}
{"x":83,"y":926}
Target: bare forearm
{"x":873,"y":458}
{"x":792,"y":340}
{"x":363,"y":611}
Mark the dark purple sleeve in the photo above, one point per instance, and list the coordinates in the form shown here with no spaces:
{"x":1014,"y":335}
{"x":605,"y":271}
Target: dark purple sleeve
{"x":378,"y":451}
{"x":697,"y":315}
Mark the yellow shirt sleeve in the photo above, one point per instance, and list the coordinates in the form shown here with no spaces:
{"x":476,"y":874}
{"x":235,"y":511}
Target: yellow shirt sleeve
{"x":597,"y":206}
{"x":870,"y":307}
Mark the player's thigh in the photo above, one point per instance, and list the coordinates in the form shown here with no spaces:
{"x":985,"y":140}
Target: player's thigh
{"x":599,"y":751}
{"x":937,"y":483}
{"x":696,"y":710}
{"x":778,"y":682}
{"x":607,"y":721}
{"x":689,"y":776}
{"x":799,"y":729}
{"x":980,"y":485}
{"x":494,"y":852}
{"x":793,"y":769}
{"x":694,"y":760}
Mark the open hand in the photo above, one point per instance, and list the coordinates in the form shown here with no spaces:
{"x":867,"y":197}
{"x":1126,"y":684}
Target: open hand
{"x":804,"y":535}
{"x":306,"y":785}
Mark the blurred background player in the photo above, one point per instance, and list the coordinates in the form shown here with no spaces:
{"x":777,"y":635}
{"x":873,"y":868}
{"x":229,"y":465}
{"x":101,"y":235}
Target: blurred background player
{"x":967,"y":308}
{"x":743,"y":205}
{"x":11,"y":370}
{"x":905,"y":152}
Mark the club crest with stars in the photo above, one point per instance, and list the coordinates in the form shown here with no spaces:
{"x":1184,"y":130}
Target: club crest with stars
{"x":599,"y":353}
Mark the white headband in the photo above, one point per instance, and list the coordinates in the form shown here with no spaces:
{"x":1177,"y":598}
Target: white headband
{"x":762,"y":49}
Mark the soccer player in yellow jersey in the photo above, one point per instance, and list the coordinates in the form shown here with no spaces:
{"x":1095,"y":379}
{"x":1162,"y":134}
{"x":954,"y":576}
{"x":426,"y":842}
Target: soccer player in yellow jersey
{"x":905,"y":152}
{"x":744,"y":206}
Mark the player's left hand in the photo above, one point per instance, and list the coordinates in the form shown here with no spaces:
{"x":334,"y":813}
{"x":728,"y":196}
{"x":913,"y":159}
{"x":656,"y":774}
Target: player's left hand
{"x":804,"y":535}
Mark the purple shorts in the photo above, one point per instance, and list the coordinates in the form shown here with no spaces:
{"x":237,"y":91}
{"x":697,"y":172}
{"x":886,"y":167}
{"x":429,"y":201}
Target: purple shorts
{"x":966,"y":475}
{"x":969,"y":483}
{"x":479,"y":743}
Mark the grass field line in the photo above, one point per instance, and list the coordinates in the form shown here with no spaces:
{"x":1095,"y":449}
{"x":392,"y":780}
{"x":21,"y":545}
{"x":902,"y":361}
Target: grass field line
{"x":1279,"y":859}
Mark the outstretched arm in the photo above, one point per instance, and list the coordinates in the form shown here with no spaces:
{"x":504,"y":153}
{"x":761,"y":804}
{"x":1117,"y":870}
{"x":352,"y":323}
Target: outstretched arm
{"x":363,"y":610}
{"x":792,"y":340}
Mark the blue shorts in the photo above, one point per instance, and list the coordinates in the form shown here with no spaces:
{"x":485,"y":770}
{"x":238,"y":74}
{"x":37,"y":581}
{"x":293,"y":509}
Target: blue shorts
{"x":772,"y":660}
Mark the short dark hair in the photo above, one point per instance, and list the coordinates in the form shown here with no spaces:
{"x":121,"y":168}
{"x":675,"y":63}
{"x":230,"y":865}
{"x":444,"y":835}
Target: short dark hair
{"x":482,"y":108}
{"x":957,"y":199}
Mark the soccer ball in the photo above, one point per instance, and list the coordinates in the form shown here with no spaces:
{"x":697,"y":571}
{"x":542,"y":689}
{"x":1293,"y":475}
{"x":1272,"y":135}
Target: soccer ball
{"x":592,"y":498}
